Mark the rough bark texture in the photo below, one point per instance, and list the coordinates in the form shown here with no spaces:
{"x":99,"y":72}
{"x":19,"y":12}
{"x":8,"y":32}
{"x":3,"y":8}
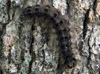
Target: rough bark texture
{"x":28,"y":48}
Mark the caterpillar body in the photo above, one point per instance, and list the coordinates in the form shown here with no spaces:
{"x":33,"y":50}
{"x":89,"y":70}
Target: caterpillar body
{"x":62,"y":30}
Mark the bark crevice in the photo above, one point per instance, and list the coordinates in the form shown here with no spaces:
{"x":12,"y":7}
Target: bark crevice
{"x":31,"y":53}
{"x":8,"y":6}
{"x":85,"y":23}
{"x":94,"y":6}
{"x":89,"y":57}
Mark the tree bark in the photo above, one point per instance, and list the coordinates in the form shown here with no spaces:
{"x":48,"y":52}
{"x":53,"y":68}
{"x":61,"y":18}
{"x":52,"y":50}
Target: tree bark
{"x":30,"y":45}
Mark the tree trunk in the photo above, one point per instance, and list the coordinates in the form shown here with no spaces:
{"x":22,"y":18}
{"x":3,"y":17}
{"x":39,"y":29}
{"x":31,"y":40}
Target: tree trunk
{"x":34,"y":44}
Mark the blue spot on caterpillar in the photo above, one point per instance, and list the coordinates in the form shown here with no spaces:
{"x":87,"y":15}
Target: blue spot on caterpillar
{"x":62,"y":30}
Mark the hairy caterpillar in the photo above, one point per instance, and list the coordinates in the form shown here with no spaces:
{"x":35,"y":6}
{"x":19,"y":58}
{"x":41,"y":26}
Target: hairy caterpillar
{"x":62,"y":30}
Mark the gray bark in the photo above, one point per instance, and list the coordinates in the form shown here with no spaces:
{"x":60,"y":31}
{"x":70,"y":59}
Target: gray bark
{"x":28,"y":49}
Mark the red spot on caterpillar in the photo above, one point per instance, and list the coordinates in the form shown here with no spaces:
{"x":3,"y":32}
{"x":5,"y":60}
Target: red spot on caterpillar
{"x":64,"y":29}
{"x":61,"y":22}
{"x":36,"y":10}
{"x":60,"y":31}
{"x":45,"y":11}
{"x":55,"y":15}
{"x":27,"y":11}
{"x":58,"y":12}
{"x":47,"y":6}
{"x":64,"y":21}
{"x":28,"y":8}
